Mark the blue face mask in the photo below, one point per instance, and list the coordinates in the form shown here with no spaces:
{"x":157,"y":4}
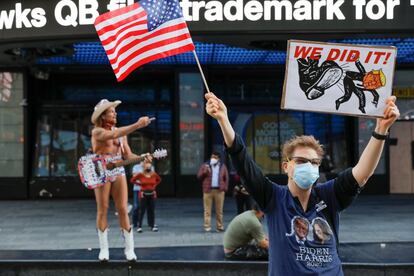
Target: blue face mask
{"x":305,"y":175}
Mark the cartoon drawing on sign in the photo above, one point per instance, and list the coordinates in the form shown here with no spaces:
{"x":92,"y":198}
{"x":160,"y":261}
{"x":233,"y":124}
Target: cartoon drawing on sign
{"x":315,"y":79}
{"x":337,"y":78}
{"x":358,"y":82}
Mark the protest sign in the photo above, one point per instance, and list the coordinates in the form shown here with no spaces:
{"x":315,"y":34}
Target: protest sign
{"x":338,"y":78}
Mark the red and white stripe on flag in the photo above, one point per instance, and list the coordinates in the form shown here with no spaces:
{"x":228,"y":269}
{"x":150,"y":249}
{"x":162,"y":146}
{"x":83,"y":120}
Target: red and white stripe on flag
{"x":128,"y":43}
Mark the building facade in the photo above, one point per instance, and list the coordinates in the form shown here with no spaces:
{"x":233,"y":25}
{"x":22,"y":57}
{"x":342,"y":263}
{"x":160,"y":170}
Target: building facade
{"x":53,"y":71}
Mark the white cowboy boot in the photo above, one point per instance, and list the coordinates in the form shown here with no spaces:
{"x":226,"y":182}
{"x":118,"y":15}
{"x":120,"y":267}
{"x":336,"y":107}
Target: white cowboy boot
{"x":103,"y":245}
{"x":129,"y":244}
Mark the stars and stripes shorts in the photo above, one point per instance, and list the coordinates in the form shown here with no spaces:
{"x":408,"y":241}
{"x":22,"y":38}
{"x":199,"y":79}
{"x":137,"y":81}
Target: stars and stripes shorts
{"x":113,"y":174}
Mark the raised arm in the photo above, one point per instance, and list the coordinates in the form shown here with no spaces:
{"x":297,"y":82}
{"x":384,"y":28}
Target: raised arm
{"x":102,"y":134}
{"x":256,"y":183}
{"x":218,"y":110}
{"x":370,"y":156}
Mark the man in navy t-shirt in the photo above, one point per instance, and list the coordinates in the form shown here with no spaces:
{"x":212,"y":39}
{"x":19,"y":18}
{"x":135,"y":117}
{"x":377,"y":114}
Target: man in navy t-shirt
{"x":303,"y":218}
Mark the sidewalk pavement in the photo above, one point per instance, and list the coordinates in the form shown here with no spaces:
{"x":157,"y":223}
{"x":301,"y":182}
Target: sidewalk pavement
{"x":70,"y":224}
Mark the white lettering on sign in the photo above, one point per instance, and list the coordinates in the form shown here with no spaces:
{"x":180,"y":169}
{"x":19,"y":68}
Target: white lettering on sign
{"x":88,"y":11}
{"x":334,"y":8}
{"x":213,"y":11}
{"x":84,"y":12}
{"x":7,"y":19}
{"x":253,"y":10}
{"x":375,"y":9}
{"x":71,"y":18}
{"x":22,"y":18}
{"x":68,"y":13}
{"x":238,"y":10}
{"x":39,"y":18}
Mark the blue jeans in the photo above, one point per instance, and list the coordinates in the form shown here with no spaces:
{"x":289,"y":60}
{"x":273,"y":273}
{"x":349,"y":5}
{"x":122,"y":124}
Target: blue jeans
{"x":135,"y":209}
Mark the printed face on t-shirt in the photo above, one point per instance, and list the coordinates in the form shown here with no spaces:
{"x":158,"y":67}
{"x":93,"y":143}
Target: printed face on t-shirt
{"x":318,"y":232}
{"x":321,"y":230}
{"x":301,"y":228}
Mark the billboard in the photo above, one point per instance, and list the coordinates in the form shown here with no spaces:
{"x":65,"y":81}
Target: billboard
{"x":39,"y":19}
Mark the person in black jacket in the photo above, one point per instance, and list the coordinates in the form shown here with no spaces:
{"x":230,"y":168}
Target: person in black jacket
{"x":301,"y":200}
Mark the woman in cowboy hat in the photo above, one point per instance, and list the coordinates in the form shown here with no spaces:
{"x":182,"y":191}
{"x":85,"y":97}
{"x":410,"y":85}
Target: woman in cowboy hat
{"x":112,"y":142}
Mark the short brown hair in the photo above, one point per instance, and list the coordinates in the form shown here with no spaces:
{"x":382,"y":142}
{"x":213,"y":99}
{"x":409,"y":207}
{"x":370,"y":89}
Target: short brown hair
{"x":301,"y":141}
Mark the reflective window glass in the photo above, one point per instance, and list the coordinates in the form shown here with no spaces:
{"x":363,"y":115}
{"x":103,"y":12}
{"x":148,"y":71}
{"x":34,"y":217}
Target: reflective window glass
{"x":11,"y":124}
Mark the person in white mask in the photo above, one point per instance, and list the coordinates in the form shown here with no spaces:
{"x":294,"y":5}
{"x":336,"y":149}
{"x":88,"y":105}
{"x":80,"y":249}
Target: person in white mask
{"x":214,"y":178}
{"x":293,"y":250}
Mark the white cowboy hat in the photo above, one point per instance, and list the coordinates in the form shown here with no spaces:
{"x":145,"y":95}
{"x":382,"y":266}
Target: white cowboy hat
{"x":101,"y":107}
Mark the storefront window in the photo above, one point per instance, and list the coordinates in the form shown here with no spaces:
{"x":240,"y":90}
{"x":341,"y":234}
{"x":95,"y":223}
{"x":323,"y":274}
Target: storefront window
{"x":84,"y":129}
{"x":247,"y":86}
{"x":265,"y":132}
{"x":291,"y":124}
{"x":336,"y":144}
{"x":126,"y":94}
{"x":403,"y":89}
{"x":191,"y":122}
{"x":155,"y":136}
{"x":65,"y":144}
{"x":63,"y":131}
{"x":266,"y":142}
{"x":42,"y":163}
{"x":11,"y":124}
{"x":316,"y":125}
{"x":64,"y":135}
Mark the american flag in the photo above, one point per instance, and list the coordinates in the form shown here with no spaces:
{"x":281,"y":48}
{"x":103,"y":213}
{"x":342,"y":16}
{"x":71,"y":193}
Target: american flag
{"x":142,"y":32}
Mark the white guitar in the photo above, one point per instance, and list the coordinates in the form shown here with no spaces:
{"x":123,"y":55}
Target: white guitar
{"x":93,"y":168}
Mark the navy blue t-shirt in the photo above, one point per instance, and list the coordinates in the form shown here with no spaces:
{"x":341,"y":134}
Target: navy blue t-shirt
{"x":301,"y":242}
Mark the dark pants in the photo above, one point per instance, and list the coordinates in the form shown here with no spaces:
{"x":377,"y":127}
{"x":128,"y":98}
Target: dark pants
{"x":243,"y":202}
{"x":249,"y":252}
{"x":135,"y":210}
{"x":147,"y":204}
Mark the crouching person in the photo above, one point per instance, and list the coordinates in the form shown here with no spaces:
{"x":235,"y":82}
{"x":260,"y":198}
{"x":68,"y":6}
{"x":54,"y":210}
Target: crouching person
{"x":244,"y":238}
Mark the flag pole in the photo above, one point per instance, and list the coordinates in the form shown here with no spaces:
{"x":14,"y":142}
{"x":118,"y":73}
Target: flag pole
{"x":201,"y":71}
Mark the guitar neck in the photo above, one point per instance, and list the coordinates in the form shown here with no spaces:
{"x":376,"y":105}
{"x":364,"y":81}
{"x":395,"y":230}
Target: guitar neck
{"x":129,"y":161}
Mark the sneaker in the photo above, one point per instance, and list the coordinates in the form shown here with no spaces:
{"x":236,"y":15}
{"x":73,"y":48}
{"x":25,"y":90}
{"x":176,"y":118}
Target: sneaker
{"x":130,"y":208}
{"x":207,"y":229}
{"x":315,"y":79}
{"x":139,"y":230}
{"x":154,"y":229}
{"x":220,"y":230}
